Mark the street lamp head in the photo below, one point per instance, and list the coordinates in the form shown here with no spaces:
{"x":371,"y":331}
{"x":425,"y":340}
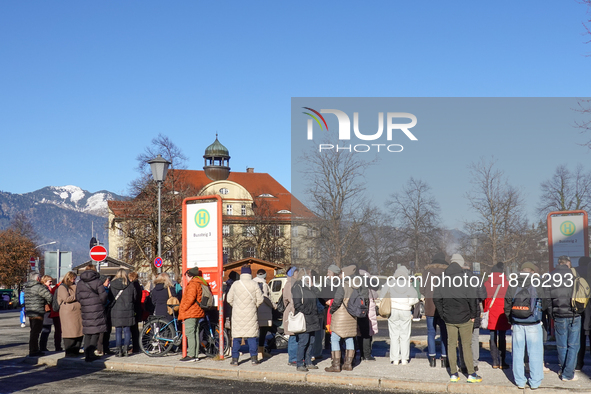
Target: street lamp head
{"x":159,"y":166}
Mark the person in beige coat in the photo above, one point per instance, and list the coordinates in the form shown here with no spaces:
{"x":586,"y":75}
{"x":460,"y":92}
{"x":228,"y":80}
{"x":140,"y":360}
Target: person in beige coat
{"x":245,"y":296}
{"x":70,"y":315}
{"x":343,"y":325}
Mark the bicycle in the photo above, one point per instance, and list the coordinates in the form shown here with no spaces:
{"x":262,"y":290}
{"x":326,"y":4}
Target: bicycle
{"x":159,"y":336}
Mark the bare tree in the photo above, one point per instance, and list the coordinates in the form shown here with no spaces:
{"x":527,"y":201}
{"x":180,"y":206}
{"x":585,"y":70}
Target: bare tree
{"x":22,"y":225}
{"x":382,"y":241}
{"x":498,"y":231}
{"x":416,"y":212}
{"x":566,"y":191}
{"x":336,"y":190}
{"x":139,"y":223}
{"x":260,"y":235}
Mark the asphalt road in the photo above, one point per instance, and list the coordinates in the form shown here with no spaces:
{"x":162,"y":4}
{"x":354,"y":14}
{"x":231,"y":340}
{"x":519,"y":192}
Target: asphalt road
{"x":31,"y":379}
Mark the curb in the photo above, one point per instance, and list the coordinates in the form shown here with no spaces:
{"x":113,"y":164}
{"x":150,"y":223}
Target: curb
{"x":333,"y":380}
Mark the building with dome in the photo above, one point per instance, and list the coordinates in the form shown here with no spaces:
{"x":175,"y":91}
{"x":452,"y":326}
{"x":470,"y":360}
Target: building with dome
{"x":260,"y":217}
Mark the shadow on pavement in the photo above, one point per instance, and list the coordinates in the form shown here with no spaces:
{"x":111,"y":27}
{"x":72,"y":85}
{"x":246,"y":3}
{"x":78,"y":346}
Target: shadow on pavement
{"x":24,"y":373}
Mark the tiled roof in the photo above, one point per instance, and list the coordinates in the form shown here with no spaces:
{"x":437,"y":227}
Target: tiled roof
{"x":256,"y":183}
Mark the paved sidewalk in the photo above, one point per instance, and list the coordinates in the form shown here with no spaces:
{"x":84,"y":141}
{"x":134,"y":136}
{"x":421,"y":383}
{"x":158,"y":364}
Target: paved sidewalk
{"x":416,"y":376}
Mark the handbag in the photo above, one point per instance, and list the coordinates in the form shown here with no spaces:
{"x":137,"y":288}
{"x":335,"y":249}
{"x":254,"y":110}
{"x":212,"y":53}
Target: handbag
{"x":172,"y":304}
{"x":296,"y":323}
{"x":385,"y":307}
{"x":484,"y":317}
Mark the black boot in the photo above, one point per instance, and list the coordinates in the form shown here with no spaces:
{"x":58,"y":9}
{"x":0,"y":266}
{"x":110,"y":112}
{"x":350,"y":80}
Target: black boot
{"x":444,"y":362}
{"x":432,"y":361}
{"x":254,"y":360}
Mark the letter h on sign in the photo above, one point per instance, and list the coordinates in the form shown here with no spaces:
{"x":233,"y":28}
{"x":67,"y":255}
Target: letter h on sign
{"x":202,"y":218}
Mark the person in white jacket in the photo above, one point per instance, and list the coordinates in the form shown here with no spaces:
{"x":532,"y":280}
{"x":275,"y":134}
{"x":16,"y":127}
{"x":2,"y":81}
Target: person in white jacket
{"x":403,"y":296}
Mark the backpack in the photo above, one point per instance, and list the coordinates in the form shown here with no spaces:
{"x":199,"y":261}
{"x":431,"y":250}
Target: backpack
{"x":581,"y":293}
{"x":55,"y":305}
{"x":526,"y":307}
{"x":358,"y":305}
{"x":207,"y":301}
{"x":172,"y":303}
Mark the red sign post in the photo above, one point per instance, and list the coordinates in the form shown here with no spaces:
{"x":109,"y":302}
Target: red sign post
{"x":98,"y":253}
{"x":202,"y":248}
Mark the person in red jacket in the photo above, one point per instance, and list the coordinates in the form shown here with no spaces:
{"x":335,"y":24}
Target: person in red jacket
{"x":497,"y":321}
{"x":190,"y":312}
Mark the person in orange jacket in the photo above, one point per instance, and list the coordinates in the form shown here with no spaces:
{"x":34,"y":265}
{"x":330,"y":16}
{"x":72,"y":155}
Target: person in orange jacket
{"x":190,"y":313}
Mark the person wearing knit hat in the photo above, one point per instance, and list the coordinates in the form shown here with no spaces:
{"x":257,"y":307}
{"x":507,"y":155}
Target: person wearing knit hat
{"x":333,"y":270}
{"x":245,"y":297}
{"x":457,"y":305}
{"x":264,"y":313}
{"x":245,"y":270}
{"x":403,"y":296}
{"x":190,"y":312}
{"x":499,"y":267}
{"x":529,"y":267}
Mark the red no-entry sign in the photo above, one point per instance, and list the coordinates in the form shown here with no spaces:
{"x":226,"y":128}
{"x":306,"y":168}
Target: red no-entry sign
{"x":33,"y":262}
{"x":98,"y":253}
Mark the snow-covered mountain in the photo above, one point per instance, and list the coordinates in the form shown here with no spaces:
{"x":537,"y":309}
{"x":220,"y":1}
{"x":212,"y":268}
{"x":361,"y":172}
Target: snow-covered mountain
{"x":74,"y":198}
{"x":66,"y":214}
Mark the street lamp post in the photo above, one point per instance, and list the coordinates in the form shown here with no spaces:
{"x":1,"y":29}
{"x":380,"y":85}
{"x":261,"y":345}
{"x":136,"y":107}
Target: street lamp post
{"x":49,"y":243}
{"x":159,"y":166}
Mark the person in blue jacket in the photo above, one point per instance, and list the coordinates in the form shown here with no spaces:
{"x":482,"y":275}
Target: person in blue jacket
{"x":21,"y":300}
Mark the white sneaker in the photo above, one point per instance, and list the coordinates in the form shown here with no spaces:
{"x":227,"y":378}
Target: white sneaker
{"x":545,"y":369}
{"x":416,"y":319}
{"x":404,"y":362}
{"x":23,"y":325}
{"x":394,"y":362}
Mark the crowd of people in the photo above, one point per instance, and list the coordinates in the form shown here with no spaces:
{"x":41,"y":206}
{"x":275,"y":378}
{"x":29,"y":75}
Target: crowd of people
{"x":83,"y":311}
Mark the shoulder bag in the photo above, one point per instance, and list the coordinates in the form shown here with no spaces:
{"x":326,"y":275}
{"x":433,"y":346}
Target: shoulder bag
{"x":297,"y":323}
{"x":484,"y":317}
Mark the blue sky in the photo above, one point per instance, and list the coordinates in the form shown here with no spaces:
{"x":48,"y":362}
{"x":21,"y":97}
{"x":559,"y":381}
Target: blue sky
{"x":85,"y":86}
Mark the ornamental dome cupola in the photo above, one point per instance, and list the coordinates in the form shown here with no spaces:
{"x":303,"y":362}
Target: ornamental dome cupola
{"x":217,"y":161}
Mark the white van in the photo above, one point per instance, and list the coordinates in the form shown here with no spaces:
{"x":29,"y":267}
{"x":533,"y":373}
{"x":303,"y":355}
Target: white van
{"x":276,"y":287}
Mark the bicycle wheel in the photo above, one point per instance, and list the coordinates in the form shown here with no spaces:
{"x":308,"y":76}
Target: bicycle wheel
{"x":211,"y":340}
{"x":157,"y":338}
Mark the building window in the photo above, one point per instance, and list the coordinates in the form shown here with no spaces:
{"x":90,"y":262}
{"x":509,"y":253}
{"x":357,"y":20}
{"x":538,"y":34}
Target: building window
{"x":130,"y":254}
{"x":148,"y":252}
{"x":229,"y":209}
{"x":248,"y":231}
{"x":312,"y":232}
{"x":226,"y":229}
{"x":295,"y":253}
{"x":224,"y":191}
{"x":277,"y":253}
{"x":276,"y":231}
{"x":143,"y":275}
{"x":249,"y":252}
{"x":294,"y":231}
{"x":169,"y":254}
{"x":120,"y":252}
{"x":119,"y":230}
{"x":243,"y":210}
{"x":310,"y":252}
{"x":148,"y":229}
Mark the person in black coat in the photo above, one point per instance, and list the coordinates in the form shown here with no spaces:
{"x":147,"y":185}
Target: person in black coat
{"x":162,"y":291}
{"x":305,"y":301}
{"x":92,"y":296}
{"x":583,"y":270}
{"x":139,"y":311}
{"x":123,"y":296}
